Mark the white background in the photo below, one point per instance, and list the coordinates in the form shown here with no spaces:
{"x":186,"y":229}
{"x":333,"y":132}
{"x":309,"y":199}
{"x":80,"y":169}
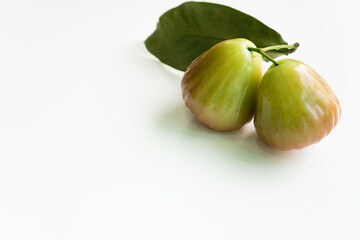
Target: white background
{"x":96,"y":143}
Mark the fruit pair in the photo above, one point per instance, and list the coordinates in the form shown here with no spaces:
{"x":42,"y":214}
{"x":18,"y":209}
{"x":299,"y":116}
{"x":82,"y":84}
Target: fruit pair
{"x":293,"y":106}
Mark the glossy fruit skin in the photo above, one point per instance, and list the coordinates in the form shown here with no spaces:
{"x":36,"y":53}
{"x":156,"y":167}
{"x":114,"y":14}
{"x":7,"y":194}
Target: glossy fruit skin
{"x":220,"y":86}
{"x":295,"y":106}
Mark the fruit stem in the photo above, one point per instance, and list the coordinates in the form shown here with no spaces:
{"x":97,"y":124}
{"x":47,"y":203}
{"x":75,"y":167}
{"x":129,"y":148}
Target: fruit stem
{"x":278,"y":47}
{"x":259,"y":50}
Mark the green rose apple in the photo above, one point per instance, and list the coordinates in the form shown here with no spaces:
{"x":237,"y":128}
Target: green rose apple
{"x":220,"y":86}
{"x":295,"y":106}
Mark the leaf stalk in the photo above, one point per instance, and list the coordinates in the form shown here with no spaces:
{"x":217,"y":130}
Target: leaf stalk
{"x":278,"y":47}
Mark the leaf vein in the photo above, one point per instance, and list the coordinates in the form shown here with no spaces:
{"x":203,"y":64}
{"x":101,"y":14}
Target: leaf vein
{"x":202,"y":36}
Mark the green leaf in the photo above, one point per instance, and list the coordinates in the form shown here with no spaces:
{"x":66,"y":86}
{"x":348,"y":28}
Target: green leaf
{"x":185,"y":32}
